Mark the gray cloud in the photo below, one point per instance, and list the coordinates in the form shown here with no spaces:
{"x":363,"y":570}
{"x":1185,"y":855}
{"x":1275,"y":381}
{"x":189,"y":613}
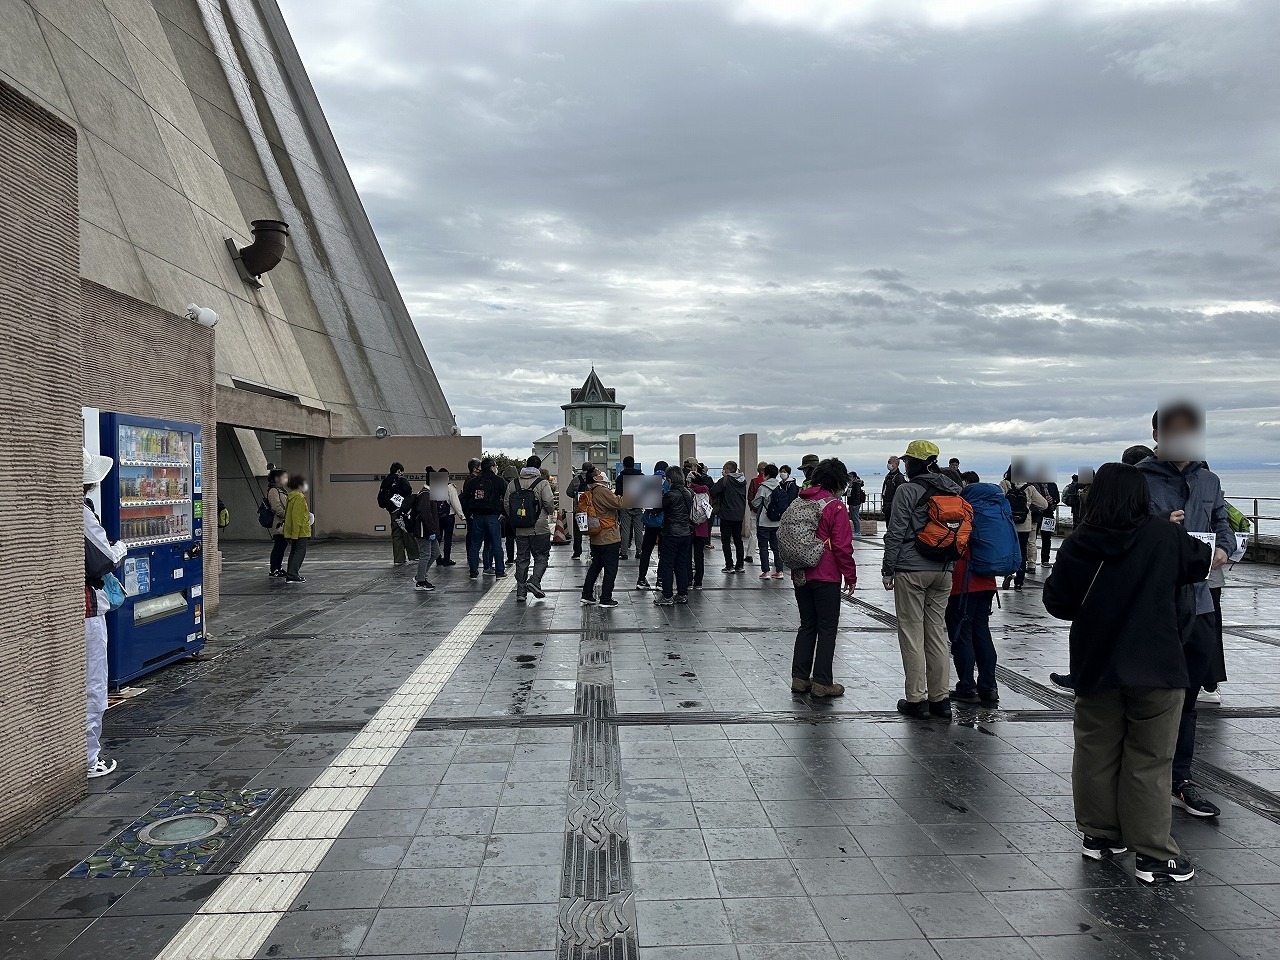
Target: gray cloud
{"x":836,"y":232}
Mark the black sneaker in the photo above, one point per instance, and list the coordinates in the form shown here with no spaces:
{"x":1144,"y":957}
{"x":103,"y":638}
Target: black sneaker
{"x":1187,"y":796}
{"x":576,"y":556}
{"x":537,"y":591}
{"x":697,"y":586}
{"x":917,"y":711}
{"x":423,"y":585}
{"x":587,"y":601}
{"x":1063,"y":680}
{"x":474,"y":575}
{"x":728,"y":569}
{"x":608,"y":603}
{"x":298,"y":579}
{"x":500,"y":576}
{"x":643,"y":585}
{"x":623,"y":556}
{"x":661,"y":601}
{"x":1151,"y":870}
{"x":276,"y":574}
{"x":940,"y":709}
{"x":989,"y":696}
{"x":959,"y":697}
{"x":738,"y":568}
{"x":520,"y":598}
{"x":682,"y":598}
{"x":1100,"y":848}
{"x":448,"y":563}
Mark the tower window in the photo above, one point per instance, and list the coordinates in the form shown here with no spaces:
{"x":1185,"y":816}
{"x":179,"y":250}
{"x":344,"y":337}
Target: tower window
{"x":590,"y":424}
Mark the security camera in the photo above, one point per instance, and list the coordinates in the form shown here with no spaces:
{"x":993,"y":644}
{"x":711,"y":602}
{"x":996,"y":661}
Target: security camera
{"x":382,"y":433}
{"x":202,"y":315}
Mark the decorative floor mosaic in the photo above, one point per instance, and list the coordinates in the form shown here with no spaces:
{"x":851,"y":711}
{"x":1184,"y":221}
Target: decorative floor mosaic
{"x":129,"y":854}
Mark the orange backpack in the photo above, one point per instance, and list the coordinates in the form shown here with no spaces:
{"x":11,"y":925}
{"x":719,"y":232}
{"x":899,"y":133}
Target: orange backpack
{"x":947,"y":526}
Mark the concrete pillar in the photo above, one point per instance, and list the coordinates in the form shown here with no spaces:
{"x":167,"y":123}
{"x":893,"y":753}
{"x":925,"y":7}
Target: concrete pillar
{"x":688,"y":446}
{"x":564,"y":462}
{"x":748,"y":457}
{"x":626,"y":446}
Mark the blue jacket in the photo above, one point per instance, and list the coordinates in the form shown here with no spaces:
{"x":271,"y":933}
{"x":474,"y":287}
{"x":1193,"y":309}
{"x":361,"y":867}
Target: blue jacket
{"x":1198,"y":492}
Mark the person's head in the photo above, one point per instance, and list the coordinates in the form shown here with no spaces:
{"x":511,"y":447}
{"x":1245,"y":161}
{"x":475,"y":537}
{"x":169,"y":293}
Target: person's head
{"x":784,"y":472}
{"x":535,"y":462}
{"x":954,"y":463}
{"x":299,"y":482}
{"x":628,"y":462}
{"x":1118,"y":498}
{"x":761,"y":465}
{"x":702,"y":467}
{"x":730,"y":467}
{"x":830,"y":475}
{"x":770,"y":471}
{"x":1136,"y":454}
{"x":1178,"y":429}
{"x":429,"y":471}
{"x":807,"y":463}
{"x":921,"y":457}
{"x":278,"y":478}
{"x":970,"y":477}
{"x":488,"y":465}
{"x":691,"y":464}
{"x":473,"y":467}
{"x":853,"y":475}
{"x":510,"y":471}
{"x":675,"y":477}
{"x":397,"y":468}
{"x":96,"y":468}
{"x":892,"y":464}
{"x":1075,"y":478}
{"x":660,"y":468}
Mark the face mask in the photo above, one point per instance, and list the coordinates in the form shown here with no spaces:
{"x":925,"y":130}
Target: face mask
{"x":1182,"y":447}
{"x":784,"y":476}
{"x":306,"y":487}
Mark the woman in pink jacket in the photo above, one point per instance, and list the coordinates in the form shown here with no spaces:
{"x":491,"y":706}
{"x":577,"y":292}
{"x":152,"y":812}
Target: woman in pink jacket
{"x":818,"y":588}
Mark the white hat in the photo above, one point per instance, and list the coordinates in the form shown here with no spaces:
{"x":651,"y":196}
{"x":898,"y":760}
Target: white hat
{"x":96,"y":468}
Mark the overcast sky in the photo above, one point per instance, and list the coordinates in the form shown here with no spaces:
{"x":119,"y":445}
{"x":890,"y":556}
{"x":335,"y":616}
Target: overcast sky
{"x":999,"y":224}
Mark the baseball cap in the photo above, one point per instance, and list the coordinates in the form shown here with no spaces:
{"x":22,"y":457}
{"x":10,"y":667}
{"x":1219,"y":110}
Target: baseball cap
{"x":921,"y":449}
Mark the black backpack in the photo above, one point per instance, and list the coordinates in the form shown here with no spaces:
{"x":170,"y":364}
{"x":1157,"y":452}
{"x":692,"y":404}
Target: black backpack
{"x":1018,"y":506}
{"x":384,"y":494}
{"x":781,"y":498}
{"x":524,"y":506}
{"x":266,"y":516}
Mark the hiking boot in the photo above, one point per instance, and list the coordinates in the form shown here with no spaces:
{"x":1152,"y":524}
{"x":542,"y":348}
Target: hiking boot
{"x":960,"y":697}
{"x":989,"y":696}
{"x":663,"y":601}
{"x":940,"y":709}
{"x":1187,"y":796}
{"x":1063,"y":680}
{"x":826,"y":689}
{"x":1151,"y":870}
{"x":799,"y":685}
{"x":537,"y":591}
{"x":917,"y":711}
{"x":1100,"y":848}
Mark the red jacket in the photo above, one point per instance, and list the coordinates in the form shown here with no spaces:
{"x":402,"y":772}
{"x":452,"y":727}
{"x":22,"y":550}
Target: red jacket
{"x":836,"y":528}
{"x":976,"y":584}
{"x":753,"y":486}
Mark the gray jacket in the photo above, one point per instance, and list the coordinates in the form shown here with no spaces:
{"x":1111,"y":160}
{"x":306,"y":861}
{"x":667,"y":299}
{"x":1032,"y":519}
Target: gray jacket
{"x":1198,"y":492}
{"x":532,"y":477}
{"x":760,"y":503}
{"x":907,"y":519}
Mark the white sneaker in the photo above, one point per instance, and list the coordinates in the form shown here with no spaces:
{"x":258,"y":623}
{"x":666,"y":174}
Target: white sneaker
{"x":101,"y":769}
{"x":1211,"y":696}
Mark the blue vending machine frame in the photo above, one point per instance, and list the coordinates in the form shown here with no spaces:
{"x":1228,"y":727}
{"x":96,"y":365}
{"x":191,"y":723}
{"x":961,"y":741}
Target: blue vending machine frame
{"x":152,"y":501}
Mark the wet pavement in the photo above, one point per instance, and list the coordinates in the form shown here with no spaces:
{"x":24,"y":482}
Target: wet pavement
{"x":537,"y":781}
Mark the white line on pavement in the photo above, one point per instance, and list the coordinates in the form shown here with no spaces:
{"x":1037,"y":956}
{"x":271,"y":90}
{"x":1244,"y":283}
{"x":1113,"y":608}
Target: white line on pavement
{"x":237,"y":920}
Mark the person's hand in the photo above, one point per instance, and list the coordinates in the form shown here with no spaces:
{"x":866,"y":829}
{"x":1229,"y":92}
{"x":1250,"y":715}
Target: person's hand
{"x":888,"y":583}
{"x":1177,"y":516}
{"x":432,"y":537}
{"x":1219,"y":558}
{"x":849,"y":587}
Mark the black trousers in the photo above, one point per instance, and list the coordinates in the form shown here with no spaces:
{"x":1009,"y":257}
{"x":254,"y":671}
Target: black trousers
{"x":1023,"y":547}
{"x":651,"y":535}
{"x":698,"y":558}
{"x":278,"y":543}
{"x":604,"y":559}
{"x":731,"y":537}
{"x":819,"y":603}
{"x":577,"y":535}
{"x":1198,"y":644}
{"x":446,"y":539}
{"x":675,"y":564}
{"x":1046,"y":540}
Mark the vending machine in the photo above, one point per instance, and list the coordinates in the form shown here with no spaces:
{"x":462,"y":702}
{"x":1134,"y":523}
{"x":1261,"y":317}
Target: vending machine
{"x":151,"y":501}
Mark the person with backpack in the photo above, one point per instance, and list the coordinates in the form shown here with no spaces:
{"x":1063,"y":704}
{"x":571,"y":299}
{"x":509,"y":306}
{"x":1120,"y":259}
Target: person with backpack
{"x":393,"y":493}
{"x":856,"y":497}
{"x":767,"y":524}
{"x":700,"y":486}
{"x":677,"y":540}
{"x":631,"y":530}
{"x":730,"y":496}
{"x":1118,"y":579}
{"x":893,"y":479}
{"x":530,"y":507}
{"x":297,"y":527}
{"x":816,"y":540}
{"x":1024,"y":500}
{"x":992,"y":551}
{"x":421,"y":516}
{"x":482,"y":499}
{"x":920,"y":546}
{"x":272,"y":509}
{"x":101,"y":556}
{"x":1188,"y":493}
{"x":651,"y":522}
{"x":598,"y":508}
{"x":571,"y":493}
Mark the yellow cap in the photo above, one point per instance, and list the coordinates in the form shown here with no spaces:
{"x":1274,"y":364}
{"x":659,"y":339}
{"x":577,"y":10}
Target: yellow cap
{"x":921,"y":450}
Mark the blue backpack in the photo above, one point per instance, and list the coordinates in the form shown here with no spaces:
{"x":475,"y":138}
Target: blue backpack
{"x":993,"y":543}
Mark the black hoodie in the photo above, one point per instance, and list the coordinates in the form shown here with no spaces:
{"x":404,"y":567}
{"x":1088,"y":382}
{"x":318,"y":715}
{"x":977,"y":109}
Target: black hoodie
{"x":1119,"y":589}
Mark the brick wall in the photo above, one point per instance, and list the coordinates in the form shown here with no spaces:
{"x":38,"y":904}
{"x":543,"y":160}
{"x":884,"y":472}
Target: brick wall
{"x":42,"y":707}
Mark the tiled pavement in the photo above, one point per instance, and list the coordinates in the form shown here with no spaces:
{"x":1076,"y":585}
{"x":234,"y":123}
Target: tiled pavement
{"x":642,"y":778}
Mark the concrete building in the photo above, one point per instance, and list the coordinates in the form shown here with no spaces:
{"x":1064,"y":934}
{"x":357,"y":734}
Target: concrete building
{"x":142,"y":140}
{"x":594,"y":419}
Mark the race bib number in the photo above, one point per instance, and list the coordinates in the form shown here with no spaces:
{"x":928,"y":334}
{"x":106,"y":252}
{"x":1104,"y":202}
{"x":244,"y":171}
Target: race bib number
{"x":1242,"y":544}
{"x":1049,"y":524}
